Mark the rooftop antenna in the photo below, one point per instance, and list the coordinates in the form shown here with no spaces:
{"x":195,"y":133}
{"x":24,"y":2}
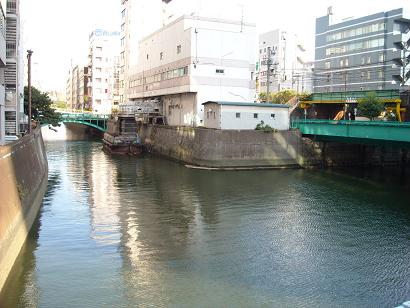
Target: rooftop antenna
{"x":330,"y":14}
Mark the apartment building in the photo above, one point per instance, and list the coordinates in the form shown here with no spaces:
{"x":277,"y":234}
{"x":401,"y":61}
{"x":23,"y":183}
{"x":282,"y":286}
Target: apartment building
{"x":77,"y":97}
{"x":366,"y":53}
{"x":139,"y":18}
{"x":193,"y":60}
{"x":3,"y":62}
{"x":104,"y":68}
{"x":290,"y":67}
{"x":13,"y":77}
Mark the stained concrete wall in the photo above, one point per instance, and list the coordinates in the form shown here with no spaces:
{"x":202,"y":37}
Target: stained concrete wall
{"x":23,"y":182}
{"x":224,"y":148}
{"x":215,"y":148}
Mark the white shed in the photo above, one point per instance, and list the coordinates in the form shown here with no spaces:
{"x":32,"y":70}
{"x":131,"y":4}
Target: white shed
{"x":235,"y":115}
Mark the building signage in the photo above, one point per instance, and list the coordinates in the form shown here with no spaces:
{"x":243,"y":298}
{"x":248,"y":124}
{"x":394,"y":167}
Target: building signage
{"x":101,"y":32}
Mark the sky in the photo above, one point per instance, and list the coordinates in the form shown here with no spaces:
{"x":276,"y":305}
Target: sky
{"x":57,"y":30}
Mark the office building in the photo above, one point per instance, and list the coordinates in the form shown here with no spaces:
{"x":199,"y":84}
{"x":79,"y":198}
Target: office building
{"x":366,"y":53}
{"x":103,"y":64}
{"x":139,"y":18}
{"x":193,"y":60}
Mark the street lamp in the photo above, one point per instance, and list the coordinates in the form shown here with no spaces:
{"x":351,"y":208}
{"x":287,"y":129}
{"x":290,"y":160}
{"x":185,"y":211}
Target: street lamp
{"x":29,"y":54}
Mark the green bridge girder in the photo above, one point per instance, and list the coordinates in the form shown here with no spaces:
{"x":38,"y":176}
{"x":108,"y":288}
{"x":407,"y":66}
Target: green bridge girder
{"x":98,"y":121}
{"x":363,"y":132}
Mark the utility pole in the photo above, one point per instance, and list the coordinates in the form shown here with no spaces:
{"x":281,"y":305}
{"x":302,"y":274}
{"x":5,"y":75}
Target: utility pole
{"x":269,"y":64}
{"x":29,"y":53}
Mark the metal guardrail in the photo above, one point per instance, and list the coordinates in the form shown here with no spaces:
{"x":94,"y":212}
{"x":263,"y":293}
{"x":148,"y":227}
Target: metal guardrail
{"x":378,"y":131}
{"x":295,"y":123}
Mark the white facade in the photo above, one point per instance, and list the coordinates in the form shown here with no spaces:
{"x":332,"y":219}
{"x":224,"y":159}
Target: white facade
{"x":193,"y":60}
{"x":14,"y":82}
{"x":103,"y":66}
{"x":290,"y":67}
{"x":2,"y":66}
{"x":228,"y":115}
{"x":139,"y":18}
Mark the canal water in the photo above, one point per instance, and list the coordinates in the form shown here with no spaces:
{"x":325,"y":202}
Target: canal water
{"x":126,"y":232}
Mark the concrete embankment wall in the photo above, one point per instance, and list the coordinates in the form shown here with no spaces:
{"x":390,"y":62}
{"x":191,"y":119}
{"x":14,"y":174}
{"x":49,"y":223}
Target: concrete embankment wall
{"x":23,"y":182}
{"x":224,"y":148}
{"x":249,"y":148}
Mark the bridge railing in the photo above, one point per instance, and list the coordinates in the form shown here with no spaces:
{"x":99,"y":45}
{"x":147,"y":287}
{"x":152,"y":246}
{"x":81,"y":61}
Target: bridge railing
{"x":296,"y":123}
{"x":84,"y":116}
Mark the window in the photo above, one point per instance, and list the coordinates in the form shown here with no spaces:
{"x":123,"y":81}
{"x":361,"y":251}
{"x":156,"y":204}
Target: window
{"x":123,"y":13}
{"x":179,"y":49}
{"x":363,"y":61}
{"x":161,"y":55}
{"x":342,"y":63}
{"x":346,"y":62}
{"x":123,"y":27}
{"x":11,"y":50}
{"x":147,"y":56}
{"x":98,"y":59}
{"x":369,"y":59}
{"x":238,"y":115}
{"x":98,"y":80}
{"x":98,"y":69}
{"x":362,"y":75}
{"x":381,"y":57}
{"x":255,"y":115}
{"x":272,"y":115}
{"x":369,"y":75}
{"x":327,"y":64}
{"x":98,"y":48}
{"x":123,"y":41}
{"x":185,"y":70}
{"x":220,"y":71}
{"x":380,"y":74}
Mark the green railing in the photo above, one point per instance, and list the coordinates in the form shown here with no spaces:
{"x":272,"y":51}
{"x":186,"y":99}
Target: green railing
{"x":342,"y":96}
{"x":359,"y":130}
{"x":98,"y":121}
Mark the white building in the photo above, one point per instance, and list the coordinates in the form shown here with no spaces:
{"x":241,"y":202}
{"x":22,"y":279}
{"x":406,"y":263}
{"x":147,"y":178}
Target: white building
{"x":193,"y":60}
{"x":103,"y":70}
{"x":238,"y":115}
{"x":14,"y":87}
{"x":290,"y":67}
{"x":2,"y":67}
{"x":139,"y":18}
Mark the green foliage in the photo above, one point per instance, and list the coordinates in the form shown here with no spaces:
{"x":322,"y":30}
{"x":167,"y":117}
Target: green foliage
{"x":41,"y":110}
{"x":264,"y":127}
{"x":282,"y":97}
{"x":59,"y":105}
{"x":370,"y":106}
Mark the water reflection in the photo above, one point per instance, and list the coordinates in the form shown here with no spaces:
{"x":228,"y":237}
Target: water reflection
{"x":148,"y":232}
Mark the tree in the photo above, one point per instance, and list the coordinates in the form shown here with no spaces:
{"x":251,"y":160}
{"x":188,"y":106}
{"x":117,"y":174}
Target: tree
{"x":282,"y":97}
{"x":370,"y":106}
{"x":41,"y":110}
